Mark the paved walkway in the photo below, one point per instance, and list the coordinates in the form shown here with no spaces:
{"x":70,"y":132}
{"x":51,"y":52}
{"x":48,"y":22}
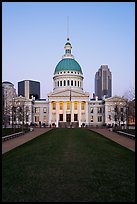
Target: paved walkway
{"x":122,"y":140}
{"x":17,"y":141}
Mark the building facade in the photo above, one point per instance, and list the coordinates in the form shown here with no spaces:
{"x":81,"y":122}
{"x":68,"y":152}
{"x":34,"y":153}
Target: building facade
{"x":68,"y":105}
{"x":103,"y":82}
{"x":29,"y":88}
{"x":8,"y":93}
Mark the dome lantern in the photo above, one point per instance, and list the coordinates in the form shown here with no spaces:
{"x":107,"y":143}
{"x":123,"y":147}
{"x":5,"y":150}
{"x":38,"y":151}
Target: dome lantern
{"x":68,"y":48}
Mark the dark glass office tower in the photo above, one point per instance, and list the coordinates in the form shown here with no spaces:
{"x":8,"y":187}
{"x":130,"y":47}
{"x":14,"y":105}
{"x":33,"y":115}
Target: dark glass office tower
{"x":27,"y":88}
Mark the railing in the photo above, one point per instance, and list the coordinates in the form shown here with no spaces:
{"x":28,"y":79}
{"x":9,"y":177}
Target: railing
{"x":12,"y":136}
{"x":127,"y":134}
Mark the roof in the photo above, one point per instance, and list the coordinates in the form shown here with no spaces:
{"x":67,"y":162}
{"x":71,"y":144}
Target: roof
{"x":7,"y":82}
{"x":68,"y":43}
{"x":68,"y":64}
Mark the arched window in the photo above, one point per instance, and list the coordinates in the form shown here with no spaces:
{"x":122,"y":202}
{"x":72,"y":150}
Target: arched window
{"x":64,"y":83}
{"x":78,"y":83}
{"x":58,"y":83}
{"x":68,"y":82}
{"x":71,"y":82}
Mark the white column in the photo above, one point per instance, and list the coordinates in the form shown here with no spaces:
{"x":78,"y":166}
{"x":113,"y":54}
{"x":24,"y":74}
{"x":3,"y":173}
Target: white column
{"x":57,"y":113}
{"x":50,"y":112}
{"x":79,"y":113}
{"x":64,"y":112}
{"x":72,"y":111}
{"x":87,"y":113}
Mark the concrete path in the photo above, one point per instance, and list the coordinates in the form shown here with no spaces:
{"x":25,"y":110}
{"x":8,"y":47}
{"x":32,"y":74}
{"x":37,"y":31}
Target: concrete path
{"x":17,"y":141}
{"x":122,"y":140}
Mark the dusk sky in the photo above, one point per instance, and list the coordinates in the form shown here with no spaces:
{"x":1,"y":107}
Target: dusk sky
{"x":34,"y":35}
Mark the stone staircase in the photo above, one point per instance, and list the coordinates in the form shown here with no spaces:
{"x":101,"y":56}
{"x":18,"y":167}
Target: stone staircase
{"x":68,"y":124}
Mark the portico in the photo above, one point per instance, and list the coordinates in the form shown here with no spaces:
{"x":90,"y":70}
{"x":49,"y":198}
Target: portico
{"x":62,"y":110}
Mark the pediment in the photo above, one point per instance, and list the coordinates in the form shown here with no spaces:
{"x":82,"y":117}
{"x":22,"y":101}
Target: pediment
{"x":67,"y":93}
{"x":115,"y":99}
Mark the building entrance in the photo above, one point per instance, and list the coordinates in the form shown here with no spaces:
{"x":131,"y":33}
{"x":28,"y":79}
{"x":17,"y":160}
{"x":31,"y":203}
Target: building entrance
{"x":68,"y":117}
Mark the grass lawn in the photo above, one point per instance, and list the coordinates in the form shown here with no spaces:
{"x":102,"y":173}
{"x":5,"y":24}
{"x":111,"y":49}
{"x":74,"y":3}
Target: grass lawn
{"x":69,"y":165}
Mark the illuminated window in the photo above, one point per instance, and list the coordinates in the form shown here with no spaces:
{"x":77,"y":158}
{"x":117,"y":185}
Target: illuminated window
{"x":44,"y":110}
{"x":44,"y":119}
{"x":54,"y":105}
{"x":68,"y":106}
{"x":75,"y":106}
{"x":82,"y":106}
{"x":99,"y":110}
{"x":91,"y":119}
{"x":37,"y":110}
{"x":61,"y":106}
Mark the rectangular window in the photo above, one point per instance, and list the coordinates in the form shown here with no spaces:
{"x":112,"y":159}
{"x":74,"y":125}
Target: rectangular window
{"x":75,"y":106}
{"x":27,"y":118}
{"x":99,"y":118}
{"x":54,"y":105}
{"x":75,"y":83}
{"x":99,"y":110}
{"x":75,"y":117}
{"x":44,"y":119}
{"x":121,"y":109}
{"x":68,"y":106}
{"x":36,"y":119}
{"x":91,"y":110}
{"x":82,"y":106}
{"x":60,"y":117}
{"x":44,"y":110}
{"x":71,"y":82}
{"x":91,"y":119}
{"x":61,"y":106}
{"x":109,"y":117}
{"x":64,"y":83}
{"x":60,"y":83}
{"x":68,"y":82}
{"x":37,"y":110}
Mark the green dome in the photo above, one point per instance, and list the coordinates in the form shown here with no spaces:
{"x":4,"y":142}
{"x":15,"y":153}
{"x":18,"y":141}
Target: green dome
{"x":68,"y":43}
{"x":68,"y":64}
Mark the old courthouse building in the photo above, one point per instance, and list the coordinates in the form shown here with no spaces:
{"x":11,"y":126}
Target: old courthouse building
{"x":68,"y":104}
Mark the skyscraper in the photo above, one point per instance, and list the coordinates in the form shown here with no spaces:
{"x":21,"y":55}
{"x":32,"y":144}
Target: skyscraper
{"x":27,"y":88}
{"x":103,"y":82}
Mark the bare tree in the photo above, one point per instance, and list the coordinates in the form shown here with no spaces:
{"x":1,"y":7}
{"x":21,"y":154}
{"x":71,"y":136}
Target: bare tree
{"x":129,"y":94}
